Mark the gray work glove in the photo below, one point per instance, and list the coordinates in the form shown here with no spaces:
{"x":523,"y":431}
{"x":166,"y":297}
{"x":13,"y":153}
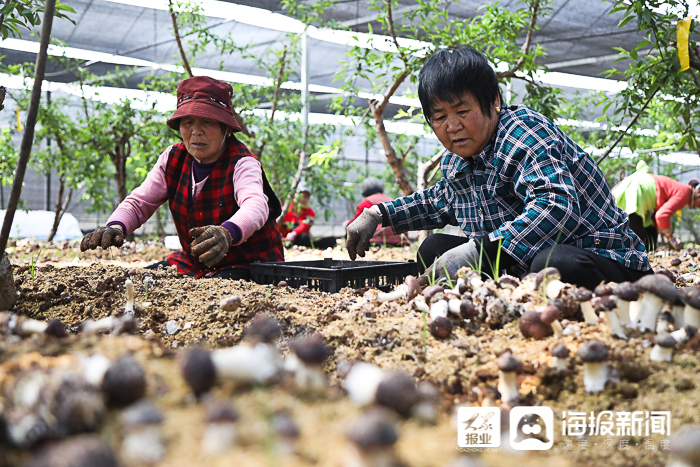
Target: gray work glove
{"x":451,"y":261}
{"x":104,"y":237}
{"x":361,"y":231}
{"x":211,"y":243}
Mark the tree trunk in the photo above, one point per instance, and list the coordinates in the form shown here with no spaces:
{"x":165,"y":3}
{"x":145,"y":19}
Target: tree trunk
{"x":424,"y":169}
{"x":160,"y":230}
{"x":61,"y":206}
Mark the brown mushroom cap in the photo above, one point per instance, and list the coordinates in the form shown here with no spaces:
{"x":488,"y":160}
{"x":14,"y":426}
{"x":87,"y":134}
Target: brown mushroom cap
{"x":124,"y":381}
{"x":592,"y":351}
{"x":142,"y":413}
{"x":441,"y":327}
{"x":581,"y":294}
{"x":691,"y":296}
{"x":665,"y":272}
{"x":429,"y":292}
{"x":603,"y":290}
{"x":413,"y":287}
{"x":397,"y":391}
{"x":199,"y":371}
{"x":55,"y":328}
{"x":467,"y":310}
{"x":604,"y":303}
{"x":676,"y":261}
{"x":507,"y":362}
{"x":550,"y":314}
{"x":373,"y":430}
{"x":507,"y":282}
{"x":77,"y":451}
{"x":220,"y":411}
{"x":668,"y":317}
{"x":531,"y":325}
{"x":665,"y":340}
{"x":561,"y":351}
{"x":659,"y":285}
{"x":626,"y":291}
{"x":263,"y":328}
{"x":310,"y":349}
{"x":546,"y":273}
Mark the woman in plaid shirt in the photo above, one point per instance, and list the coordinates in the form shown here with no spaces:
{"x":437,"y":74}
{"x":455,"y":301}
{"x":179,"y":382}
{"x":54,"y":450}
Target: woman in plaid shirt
{"x":511,"y":178}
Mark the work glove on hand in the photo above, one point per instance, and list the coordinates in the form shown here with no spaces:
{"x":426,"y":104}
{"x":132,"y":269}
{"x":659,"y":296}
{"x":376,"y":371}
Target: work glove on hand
{"x":450,"y":262}
{"x":361,"y":231}
{"x":211,"y":243}
{"x":104,"y":237}
{"x":673,"y":242}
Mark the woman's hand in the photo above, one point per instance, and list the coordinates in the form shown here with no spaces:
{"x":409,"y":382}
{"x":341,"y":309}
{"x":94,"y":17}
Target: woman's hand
{"x":211,"y":243}
{"x":361,"y":231}
{"x":104,"y":237}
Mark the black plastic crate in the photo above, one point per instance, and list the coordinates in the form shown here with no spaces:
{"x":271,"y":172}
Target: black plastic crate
{"x":331,"y":275}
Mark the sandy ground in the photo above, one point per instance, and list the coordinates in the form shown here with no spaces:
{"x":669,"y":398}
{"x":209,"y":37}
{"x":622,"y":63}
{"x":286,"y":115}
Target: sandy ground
{"x":178,"y":312}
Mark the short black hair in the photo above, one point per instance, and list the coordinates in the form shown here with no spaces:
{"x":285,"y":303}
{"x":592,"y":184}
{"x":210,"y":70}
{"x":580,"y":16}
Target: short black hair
{"x":451,"y":73}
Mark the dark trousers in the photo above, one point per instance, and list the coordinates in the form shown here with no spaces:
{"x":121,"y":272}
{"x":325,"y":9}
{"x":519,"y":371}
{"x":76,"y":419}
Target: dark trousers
{"x":649,"y":235}
{"x":576,"y":265}
{"x":231,"y":273}
{"x":320,"y":243}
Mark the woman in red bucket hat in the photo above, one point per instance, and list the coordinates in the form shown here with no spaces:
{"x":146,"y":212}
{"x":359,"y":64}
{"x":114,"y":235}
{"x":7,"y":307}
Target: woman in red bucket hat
{"x":222,"y":204}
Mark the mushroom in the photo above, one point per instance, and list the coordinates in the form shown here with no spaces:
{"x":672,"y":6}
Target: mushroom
{"x":467,"y":310}
{"x":426,"y":410}
{"x":454,"y":305}
{"x":603,"y":290}
{"x":220,"y":432}
{"x":287,"y":432}
{"x":198,"y":371}
{"x":362,"y":382}
{"x":91,"y":327}
{"x":607,"y":305}
{"x":507,"y":377}
{"x":439,"y":308}
{"x":561,"y":357}
{"x":129,"y":308}
{"x":584,"y":296}
{"x":550,"y":315}
{"x":26,"y":327}
{"x":665,"y":272}
{"x":398,"y":392}
{"x":507,"y":282}
{"x":595,"y":373}
{"x":124,"y":382}
{"x":664,"y":322}
{"x":431,"y":291}
{"x":143,"y":440}
{"x":262,"y":328}
{"x":257,"y":363}
{"x":684,"y":334}
{"x":413,"y":287}
{"x":77,"y":451}
{"x":685,"y":447}
{"x":532,"y":325}
{"x":401,"y":291}
{"x":625,"y":293}
{"x":373,"y":437}
{"x":473,"y":279}
{"x":663,"y":350}
{"x":441,"y":327}
{"x":548,"y":280}
{"x":677,"y":310}
{"x":676,"y":261}
{"x":420,"y":305}
{"x":311,"y":354}
{"x":655,"y":290}
{"x":230,"y":303}
{"x":691,"y":312}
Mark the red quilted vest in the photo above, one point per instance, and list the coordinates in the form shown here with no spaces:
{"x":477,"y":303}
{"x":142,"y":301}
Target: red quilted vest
{"x":214,"y":205}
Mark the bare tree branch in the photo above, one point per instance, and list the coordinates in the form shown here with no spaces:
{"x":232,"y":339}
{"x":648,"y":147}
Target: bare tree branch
{"x":185,"y":62}
{"x":392,"y":31}
{"x":275,"y":98}
{"x":528,"y":41}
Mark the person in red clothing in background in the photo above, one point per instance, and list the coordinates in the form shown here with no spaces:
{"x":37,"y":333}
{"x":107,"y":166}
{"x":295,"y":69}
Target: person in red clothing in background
{"x":297,"y":222}
{"x":373,"y":193}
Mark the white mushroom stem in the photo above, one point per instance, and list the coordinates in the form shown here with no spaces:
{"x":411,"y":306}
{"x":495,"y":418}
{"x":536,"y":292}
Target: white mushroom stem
{"x":553,"y":288}
{"x":460,"y":282}
{"x":588,"y":313}
{"x":32,"y":326}
{"x":245,"y":364}
{"x":623,"y":312}
{"x":218,"y":437}
{"x":475,"y":282}
{"x":561,"y":364}
{"x":307,"y":377}
{"x":634,"y":310}
{"x":661,"y":354}
{"x":438,"y":309}
{"x":678,"y":311}
{"x":691,"y":316}
{"x":144,"y":445}
{"x":420,"y":305}
{"x":91,"y":327}
{"x":680,"y":336}
{"x":649,"y":309}
{"x":595,"y":375}
{"x":453,"y":305}
{"x":400,"y":292}
{"x":362,"y":383}
{"x":508,"y":386}
{"x":616,"y":328}
{"x":558,"y":330}
{"x":129,"y":308}
{"x":662,"y":325}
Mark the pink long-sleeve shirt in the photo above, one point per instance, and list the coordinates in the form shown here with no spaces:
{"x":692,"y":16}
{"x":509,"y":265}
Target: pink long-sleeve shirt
{"x":140,"y":205}
{"x":671,"y":197}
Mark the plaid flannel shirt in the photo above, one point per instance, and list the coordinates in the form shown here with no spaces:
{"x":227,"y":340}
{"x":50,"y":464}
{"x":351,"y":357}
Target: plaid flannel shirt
{"x":532,"y":187}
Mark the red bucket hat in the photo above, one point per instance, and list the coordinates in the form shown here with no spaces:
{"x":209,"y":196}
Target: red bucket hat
{"x":202,"y":96}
